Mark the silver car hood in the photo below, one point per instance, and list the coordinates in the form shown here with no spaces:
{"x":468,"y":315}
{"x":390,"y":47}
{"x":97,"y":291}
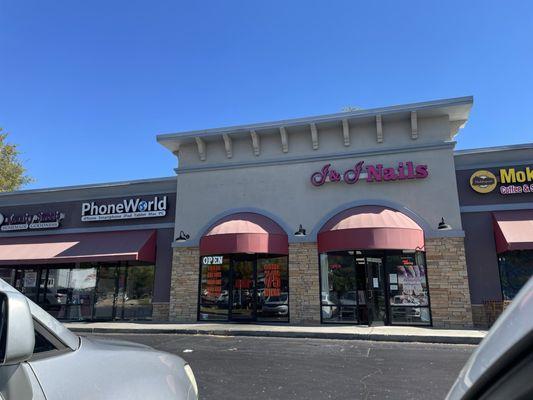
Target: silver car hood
{"x":111,"y":369}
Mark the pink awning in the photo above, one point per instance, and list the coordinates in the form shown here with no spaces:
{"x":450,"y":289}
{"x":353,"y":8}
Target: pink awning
{"x":82,"y":247}
{"x":244,"y":233}
{"x":513,"y":230}
{"x":370,"y":227}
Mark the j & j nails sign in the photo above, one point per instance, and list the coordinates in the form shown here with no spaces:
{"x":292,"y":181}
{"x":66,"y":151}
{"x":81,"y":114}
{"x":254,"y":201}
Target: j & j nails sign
{"x":124,"y":209}
{"x":371,"y":173}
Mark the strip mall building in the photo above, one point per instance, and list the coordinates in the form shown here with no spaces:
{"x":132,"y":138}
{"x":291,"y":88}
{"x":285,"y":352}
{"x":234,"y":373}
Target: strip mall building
{"x":365,"y":217}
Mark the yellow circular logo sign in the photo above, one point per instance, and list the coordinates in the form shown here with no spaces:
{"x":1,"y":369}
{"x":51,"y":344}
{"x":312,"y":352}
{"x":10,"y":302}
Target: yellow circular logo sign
{"x":483,"y":181}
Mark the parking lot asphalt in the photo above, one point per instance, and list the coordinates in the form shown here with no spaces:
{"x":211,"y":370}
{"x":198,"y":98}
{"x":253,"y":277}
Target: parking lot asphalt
{"x":280,"y":368}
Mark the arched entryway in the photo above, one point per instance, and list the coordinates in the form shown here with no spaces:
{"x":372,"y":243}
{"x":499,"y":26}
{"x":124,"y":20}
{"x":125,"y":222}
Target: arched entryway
{"x":372,"y":268}
{"x":244,"y":270}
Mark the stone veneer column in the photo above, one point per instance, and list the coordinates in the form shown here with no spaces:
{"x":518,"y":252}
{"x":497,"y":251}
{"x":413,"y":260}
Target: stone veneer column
{"x":184,"y":284}
{"x":448,"y":283}
{"x":480,"y":317}
{"x":304,"y":290}
{"x":160,"y":311}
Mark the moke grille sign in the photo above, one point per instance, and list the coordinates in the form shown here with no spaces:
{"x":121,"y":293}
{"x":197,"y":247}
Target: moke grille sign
{"x":124,"y":209}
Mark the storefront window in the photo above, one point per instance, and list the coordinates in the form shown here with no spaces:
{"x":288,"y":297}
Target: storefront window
{"x":27,"y":282}
{"x":214,"y":288}
{"x":138,"y":291}
{"x":105,"y":294}
{"x":272,"y":289}
{"x":7,"y":275}
{"x":340,"y":292}
{"x":81,"y":293}
{"x":90,"y":290}
{"x":244,"y":287}
{"x":374,"y":287}
{"x":516,"y":267}
{"x":56,"y":293}
{"x":408,"y":292}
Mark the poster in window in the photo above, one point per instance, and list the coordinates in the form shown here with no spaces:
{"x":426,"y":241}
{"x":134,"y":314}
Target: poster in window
{"x":272,"y":280}
{"x":30,"y":279}
{"x":411,"y":285}
{"x":213,"y":287}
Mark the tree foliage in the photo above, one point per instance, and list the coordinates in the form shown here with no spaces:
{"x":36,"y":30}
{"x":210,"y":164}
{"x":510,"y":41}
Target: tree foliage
{"x":12,"y":172}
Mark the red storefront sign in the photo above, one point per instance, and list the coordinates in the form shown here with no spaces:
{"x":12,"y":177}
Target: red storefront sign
{"x":374,"y":173}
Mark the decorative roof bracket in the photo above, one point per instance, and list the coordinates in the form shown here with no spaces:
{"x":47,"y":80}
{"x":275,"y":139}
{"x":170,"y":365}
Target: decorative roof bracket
{"x":414,"y":125}
{"x":201,"y":147}
{"x":255,"y":142}
{"x":346,"y":132}
{"x":284,"y":139}
{"x":379,"y":129}
{"x":227,"y":145}
{"x":314,"y":136}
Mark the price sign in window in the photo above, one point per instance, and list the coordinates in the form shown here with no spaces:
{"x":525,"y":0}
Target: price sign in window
{"x":214,"y":294}
{"x":214,"y":280}
{"x":272,"y":280}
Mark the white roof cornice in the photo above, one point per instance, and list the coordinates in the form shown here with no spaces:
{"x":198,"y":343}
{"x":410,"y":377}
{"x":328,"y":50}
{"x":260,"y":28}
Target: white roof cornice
{"x":457,"y":109}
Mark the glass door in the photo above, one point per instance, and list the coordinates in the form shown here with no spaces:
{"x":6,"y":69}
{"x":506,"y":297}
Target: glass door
{"x":105,"y":293}
{"x":81,"y":293}
{"x":243,"y":291}
{"x":54,"y":291}
{"x":377,"y":311}
{"x":138,"y":292}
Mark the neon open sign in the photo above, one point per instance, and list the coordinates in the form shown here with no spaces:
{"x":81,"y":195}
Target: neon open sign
{"x":212,"y":260}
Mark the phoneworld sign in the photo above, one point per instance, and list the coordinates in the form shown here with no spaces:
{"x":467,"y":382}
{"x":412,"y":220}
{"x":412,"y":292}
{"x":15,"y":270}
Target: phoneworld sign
{"x":30,"y":221}
{"x":371,"y":173}
{"x":124,"y":209}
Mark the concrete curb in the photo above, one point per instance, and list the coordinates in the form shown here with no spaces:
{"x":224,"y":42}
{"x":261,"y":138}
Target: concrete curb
{"x":472,"y":340}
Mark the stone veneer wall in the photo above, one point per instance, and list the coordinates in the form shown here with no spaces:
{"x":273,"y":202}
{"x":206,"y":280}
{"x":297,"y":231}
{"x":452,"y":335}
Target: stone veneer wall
{"x":304,"y":290}
{"x":448,"y":283}
{"x":160,"y":311}
{"x":479,"y":316}
{"x":447,"y":279}
{"x":183,"y":305}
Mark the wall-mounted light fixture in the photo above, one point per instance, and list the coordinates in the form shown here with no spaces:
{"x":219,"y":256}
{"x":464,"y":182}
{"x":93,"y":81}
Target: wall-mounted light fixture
{"x":182,"y":237}
{"x":443,"y":225}
{"x":300,"y":231}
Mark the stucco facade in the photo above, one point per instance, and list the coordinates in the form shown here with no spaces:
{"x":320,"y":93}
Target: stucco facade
{"x":266,"y":169}
{"x":365,"y":217}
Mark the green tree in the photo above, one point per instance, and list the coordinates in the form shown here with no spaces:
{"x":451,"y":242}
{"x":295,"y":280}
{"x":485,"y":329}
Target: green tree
{"x":12,"y":172}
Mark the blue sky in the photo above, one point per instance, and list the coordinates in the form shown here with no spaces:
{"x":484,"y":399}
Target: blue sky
{"x":86,"y":85}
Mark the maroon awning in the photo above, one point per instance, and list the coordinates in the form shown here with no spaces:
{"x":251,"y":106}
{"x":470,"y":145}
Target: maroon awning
{"x":245,"y":233}
{"x":370,"y":227}
{"x":82,"y":247}
{"x":513,"y":230}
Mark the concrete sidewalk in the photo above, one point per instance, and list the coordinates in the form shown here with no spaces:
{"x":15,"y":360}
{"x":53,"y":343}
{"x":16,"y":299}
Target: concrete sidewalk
{"x":379,"y":333}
